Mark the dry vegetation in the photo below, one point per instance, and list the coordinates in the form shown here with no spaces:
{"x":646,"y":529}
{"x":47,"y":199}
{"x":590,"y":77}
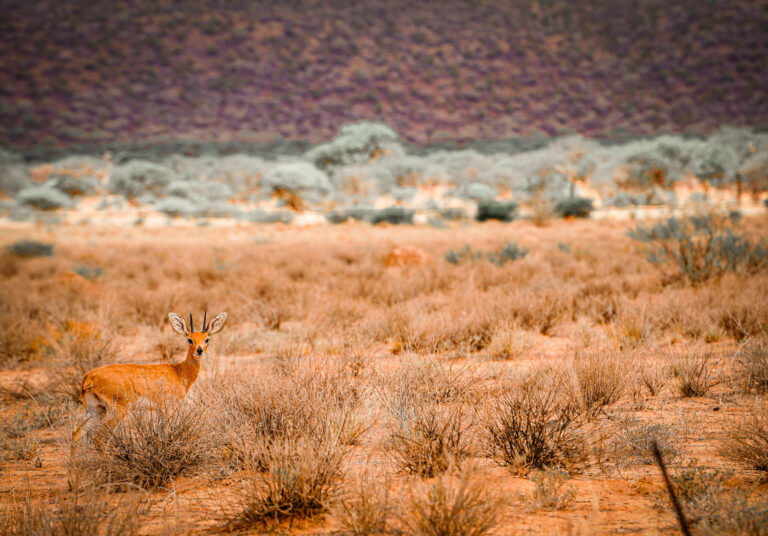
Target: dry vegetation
{"x":346,"y":396}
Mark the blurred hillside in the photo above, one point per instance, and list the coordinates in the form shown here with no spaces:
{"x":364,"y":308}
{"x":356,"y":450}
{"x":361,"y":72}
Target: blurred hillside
{"x":156,"y":71}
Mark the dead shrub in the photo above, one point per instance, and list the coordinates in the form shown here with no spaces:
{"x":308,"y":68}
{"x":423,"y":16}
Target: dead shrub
{"x":695,"y":372}
{"x":428,"y":439}
{"x":82,"y":348}
{"x":751,"y":365}
{"x":601,"y":377}
{"x":150,"y":447}
{"x":747,"y":442}
{"x":364,"y":507}
{"x":74,"y":513}
{"x":451,"y":505}
{"x":535,"y":424}
{"x":300,"y":477}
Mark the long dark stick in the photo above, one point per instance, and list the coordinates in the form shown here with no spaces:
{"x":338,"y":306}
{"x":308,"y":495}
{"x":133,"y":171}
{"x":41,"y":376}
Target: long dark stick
{"x":671,"y":491}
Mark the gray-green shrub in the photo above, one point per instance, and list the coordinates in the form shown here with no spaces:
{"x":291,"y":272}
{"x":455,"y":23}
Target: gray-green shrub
{"x":140,"y":176}
{"x":44,"y":197}
{"x":357,"y":143}
{"x":702,"y":247}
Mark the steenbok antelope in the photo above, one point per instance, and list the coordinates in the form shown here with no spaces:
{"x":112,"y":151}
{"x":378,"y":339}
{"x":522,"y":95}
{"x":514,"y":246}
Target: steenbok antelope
{"x":113,"y":389}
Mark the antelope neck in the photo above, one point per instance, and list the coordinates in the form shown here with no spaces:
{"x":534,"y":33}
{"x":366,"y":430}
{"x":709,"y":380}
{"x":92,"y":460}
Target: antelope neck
{"x":190,"y":368}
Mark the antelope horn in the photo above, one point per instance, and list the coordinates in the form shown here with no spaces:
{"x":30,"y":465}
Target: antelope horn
{"x":191,"y":324}
{"x":205,"y":315}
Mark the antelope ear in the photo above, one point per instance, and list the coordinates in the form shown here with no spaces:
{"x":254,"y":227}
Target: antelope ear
{"x":177,"y":324}
{"x":217,"y":322}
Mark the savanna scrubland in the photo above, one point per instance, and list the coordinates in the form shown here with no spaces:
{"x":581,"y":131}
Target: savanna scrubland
{"x":465,"y":352}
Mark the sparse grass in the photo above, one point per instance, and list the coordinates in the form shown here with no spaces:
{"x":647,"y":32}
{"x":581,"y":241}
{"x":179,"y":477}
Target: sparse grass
{"x":451,"y":505}
{"x":700,"y":491}
{"x":695,"y":372}
{"x":365,"y":506}
{"x":454,"y":350}
{"x":74,"y":513}
{"x":535,"y":424}
{"x":552,"y":491}
{"x":751,"y":365}
{"x":632,"y":442}
{"x":747,"y":442}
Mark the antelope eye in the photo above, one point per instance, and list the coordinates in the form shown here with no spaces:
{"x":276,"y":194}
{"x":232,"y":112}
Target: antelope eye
{"x":190,"y":341}
{"x":206,"y":341}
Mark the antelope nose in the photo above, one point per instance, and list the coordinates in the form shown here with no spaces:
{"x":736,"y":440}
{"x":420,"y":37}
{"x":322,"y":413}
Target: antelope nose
{"x":199,"y":350}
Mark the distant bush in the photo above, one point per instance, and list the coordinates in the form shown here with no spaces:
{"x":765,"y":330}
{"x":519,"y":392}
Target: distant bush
{"x":296,"y":177}
{"x":479,"y":191}
{"x":358,"y":212}
{"x":13,"y":173}
{"x":575,"y":207}
{"x":404,"y":194}
{"x":661,"y":161}
{"x":72,"y":185}
{"x":754,"y":174}
{"x":702,"y":247}
{"x":88,"y":272}
{"x":453,"y":213}
{"x":716,"y":164}
{"x":174,"y":206}
{"x":138,"y":177}
{"x":357,"y":143}
{"x":30,"y":248}
{"x":393,"y":215}
{"x":623,"y":199}
{"x":218,"y":209}
{"x":211,"y":191}
{"x":263,"y":216}
{"x":44,"y":198}
{"x":510,"y":252}
{"x":496,"y":210}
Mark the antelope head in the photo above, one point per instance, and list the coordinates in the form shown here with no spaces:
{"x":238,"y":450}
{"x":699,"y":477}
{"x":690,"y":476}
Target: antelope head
{"x":197,"y":340}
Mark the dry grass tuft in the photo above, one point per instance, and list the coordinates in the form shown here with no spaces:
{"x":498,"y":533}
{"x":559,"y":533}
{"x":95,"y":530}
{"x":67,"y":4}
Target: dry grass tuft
{"x":149,"y":447}
{"x":364,"y":507}
{"x":601,"y":378}
{"x":748,"y":442}
{"x":695,"y":372}
{"x":451,"y":505}
{"x":535,"y":424}
{"x":752,"y":366}
{"x":428,"y":439}
{"x":75,"y":513}
{"x":300,"y":479}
